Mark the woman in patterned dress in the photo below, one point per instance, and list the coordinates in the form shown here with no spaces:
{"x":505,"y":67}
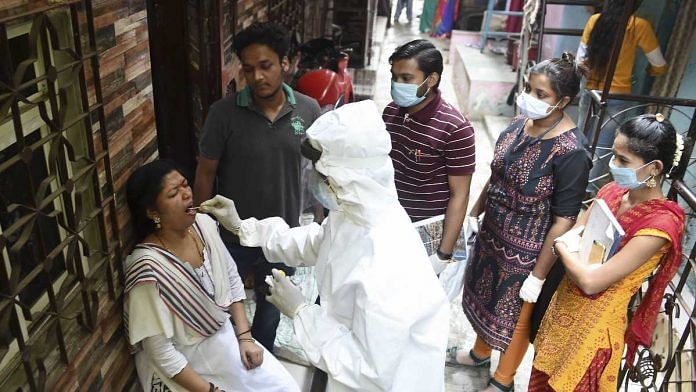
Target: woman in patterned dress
{"x":581,"y":339}
{"x":538,"y":177}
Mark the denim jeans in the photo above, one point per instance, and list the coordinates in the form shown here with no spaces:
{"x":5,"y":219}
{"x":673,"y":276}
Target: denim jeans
{"x":267,"y":317}
{"x":400,"y":6}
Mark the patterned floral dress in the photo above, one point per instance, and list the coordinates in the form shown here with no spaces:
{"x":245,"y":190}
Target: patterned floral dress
{"x":532,"y":180}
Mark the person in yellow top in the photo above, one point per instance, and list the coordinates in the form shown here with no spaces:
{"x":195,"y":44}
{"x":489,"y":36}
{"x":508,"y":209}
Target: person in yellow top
{"x":595,"y":50}
{"x":581,"y":339}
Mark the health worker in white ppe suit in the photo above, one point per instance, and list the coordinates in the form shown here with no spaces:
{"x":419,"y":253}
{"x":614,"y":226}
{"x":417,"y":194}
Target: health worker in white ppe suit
{"x":383,"y":320}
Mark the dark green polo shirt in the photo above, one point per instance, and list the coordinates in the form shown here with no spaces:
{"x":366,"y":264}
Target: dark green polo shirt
{"x":260,"y":162}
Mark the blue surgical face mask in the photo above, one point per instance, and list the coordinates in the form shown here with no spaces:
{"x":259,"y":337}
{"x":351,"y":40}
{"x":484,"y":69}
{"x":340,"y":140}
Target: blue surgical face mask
{"x":626,"y":177}
{"x":406,"y":94}
{"x":322,"y":191}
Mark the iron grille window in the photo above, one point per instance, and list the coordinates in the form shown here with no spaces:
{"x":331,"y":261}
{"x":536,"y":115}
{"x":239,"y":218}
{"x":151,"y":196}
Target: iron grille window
{"x":59,"y":245}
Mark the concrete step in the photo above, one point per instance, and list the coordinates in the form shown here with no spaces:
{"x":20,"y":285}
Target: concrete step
{"x":495,"y":125}
{"x":482,"y":81}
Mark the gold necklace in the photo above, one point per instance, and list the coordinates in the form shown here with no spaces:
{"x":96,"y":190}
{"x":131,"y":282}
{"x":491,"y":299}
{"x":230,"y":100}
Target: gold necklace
{"x":198,"y":246}
{"x":190,"y":233}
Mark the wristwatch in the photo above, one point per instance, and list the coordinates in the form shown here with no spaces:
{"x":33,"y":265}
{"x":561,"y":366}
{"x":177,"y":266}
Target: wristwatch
{"x":445,"y":257}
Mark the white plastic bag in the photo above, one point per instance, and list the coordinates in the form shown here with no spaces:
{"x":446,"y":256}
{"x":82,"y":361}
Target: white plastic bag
{"x":452,"y":278}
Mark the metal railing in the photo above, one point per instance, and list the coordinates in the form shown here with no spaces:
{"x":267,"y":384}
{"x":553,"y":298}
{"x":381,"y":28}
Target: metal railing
{"x":674,"y":369}
{"x":653,"y":371}
{"x":60,"y":254}
{"x":597,"y":120}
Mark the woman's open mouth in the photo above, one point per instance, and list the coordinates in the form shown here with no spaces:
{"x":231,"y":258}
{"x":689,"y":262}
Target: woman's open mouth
{"x":191,"y":210}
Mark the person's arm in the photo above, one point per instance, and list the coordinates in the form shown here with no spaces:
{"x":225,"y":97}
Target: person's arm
{"x":460,"y":158}
{"x":546,"y":258}
{"x":172,"y":363}
{"x":647,"y":40}
{"x":456,"y":211}
{"x":192,"y":381}
{"x":480,"y":206}
{"x":205,"y":177}
{"x":581,"y":54}
{"x":364,"y":351}
{"x":250,"y":352}
{"x":571,"y":172}
{"x":658,"y":64}
{"x":281,"y":244}
{"x":591,"y":281}
{"x":582,"y":218}
{"x":239,"y":319}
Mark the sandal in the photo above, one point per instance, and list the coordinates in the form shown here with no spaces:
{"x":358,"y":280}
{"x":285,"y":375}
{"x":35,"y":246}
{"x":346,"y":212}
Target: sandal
{"x":477,"y":362}
{"x":498,"y":387}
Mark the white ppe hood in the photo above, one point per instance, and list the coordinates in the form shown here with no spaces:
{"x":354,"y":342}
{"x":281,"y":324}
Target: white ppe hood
{"x":384,"y":318}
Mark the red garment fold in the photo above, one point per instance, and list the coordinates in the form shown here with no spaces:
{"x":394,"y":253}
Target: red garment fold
{"x":663,"y":215}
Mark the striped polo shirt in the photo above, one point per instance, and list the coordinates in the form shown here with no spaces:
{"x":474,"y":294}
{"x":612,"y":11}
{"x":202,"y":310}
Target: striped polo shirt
{"x":427,"y":147}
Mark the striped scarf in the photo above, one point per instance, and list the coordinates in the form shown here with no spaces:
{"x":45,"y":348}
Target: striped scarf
{"x":179,"y":287}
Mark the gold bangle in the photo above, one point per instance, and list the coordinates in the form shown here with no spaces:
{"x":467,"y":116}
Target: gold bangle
{"x":250,"y":340}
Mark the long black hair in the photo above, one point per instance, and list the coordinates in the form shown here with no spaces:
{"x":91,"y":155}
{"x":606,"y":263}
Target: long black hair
{"x":603,"y":34}
{"x":142,"y":189}
{"x":650,"y":139}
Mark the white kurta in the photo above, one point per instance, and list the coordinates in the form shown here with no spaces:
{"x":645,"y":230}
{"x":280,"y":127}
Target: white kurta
{"x":215,"y":358}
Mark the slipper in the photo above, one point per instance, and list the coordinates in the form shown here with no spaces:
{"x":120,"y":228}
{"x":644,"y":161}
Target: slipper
{"x":501,"y":387}
{"x":478,"y":362}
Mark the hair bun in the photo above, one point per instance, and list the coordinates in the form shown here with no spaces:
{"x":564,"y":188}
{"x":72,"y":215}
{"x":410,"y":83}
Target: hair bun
{"x":567,"y":56}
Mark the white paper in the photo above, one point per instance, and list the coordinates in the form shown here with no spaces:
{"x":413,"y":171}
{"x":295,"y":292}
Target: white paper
{"x":602,"y":227}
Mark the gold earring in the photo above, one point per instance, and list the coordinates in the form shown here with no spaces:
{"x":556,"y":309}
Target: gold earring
{"x":157,"y":222}
{"x":651,"y":183}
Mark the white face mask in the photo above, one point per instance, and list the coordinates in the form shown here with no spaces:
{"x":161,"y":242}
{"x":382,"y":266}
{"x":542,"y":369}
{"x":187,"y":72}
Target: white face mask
{"x":534,"y":108}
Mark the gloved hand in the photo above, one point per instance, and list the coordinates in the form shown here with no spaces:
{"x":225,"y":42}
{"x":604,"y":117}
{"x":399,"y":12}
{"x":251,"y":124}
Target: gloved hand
{"x":531,"y":288}
{"x":473,"y":223}
{"x":224,"y":210}
{"x":571,"y":239}
{"x":438,"y":264}
{"x":285,"y":295}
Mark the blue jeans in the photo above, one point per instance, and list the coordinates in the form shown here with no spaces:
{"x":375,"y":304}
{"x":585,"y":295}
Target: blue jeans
{"x":267,"y":317}
{"x":400,"y":6}
{"x":615,"y":115}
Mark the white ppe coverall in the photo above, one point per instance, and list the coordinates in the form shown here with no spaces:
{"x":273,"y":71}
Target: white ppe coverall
{"x":384,"y":319}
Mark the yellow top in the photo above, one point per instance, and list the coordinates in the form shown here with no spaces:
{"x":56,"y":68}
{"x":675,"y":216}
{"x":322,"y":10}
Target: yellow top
{"x":639,"y":32}
{"x":576,"y":325}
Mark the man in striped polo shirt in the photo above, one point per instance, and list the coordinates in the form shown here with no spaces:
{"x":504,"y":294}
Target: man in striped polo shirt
{"x":432,"y":143}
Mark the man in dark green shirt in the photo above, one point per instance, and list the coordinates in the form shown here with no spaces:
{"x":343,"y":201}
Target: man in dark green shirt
{"x":251,"y":144}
